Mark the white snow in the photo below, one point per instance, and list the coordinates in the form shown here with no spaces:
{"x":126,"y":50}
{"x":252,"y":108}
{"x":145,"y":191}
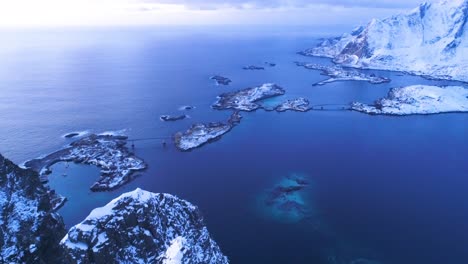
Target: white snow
{"x":429,"y":40}
{"x":139,"y":195}
{"x":174,"y":253}
{"x":419,"y":99}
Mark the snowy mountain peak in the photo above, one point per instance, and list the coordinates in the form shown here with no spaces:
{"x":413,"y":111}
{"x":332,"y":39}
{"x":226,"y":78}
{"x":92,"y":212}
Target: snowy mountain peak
{"x":429,"y":40}
{"x":143,"y":227}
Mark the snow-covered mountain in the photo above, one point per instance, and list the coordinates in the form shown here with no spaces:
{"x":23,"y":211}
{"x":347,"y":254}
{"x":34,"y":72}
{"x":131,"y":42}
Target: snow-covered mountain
{"x":143,"y":227}
{"x":137,"y":227}
{"x":30,"y":231}
{"x":429,"y":40}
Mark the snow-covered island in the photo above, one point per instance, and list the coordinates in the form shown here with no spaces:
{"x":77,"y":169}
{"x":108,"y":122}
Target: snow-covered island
{"x":167,"y":118}
{"x":337,"y":73}
{"x":430,"y":40}
{"x":108,"y":152}
{"x":299,"y":105}
{"x":220,"y":80}
{"x":30,"y":229}
{"x":418,"y":100}
{"x":201,"y":134}
{"x":143,"y":227}
{"x":247,"y":99}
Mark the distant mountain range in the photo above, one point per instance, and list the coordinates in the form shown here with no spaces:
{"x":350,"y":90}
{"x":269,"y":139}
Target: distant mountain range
{"x":430,"y":40}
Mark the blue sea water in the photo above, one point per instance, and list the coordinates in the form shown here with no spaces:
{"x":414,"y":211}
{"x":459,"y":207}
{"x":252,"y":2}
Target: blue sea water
{"x":389,"y":189}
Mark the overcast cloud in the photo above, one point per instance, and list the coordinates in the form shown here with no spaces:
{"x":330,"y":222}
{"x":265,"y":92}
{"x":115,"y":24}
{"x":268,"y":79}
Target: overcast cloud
{"x":202,"y":4}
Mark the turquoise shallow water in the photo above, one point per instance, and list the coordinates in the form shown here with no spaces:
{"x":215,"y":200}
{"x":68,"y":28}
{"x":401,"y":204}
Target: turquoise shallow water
{"x":392,"y":189}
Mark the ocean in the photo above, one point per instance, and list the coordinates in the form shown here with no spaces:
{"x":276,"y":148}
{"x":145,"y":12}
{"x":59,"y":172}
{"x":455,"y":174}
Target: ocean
{"x":381,"y":189}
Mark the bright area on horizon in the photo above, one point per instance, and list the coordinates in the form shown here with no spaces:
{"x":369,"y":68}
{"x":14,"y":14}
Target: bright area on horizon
{"x":37,"y":13}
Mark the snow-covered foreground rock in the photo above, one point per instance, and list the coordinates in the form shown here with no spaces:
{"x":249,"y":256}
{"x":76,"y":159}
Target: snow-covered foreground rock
{"x":418,"y":99}
{"x":247,"y":99}
{"x":108,"y":152}
{"x":430,"y":40}
{"x":30,"y":231}
{"x":337,"y":73}
{"x":143,"y":227}
{"x":200,"y":134}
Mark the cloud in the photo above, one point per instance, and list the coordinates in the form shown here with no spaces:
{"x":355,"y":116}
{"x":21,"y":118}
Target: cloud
{"x":264,"y":4}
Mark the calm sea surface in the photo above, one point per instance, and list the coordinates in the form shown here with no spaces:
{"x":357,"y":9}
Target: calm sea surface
{"x":388,"y":189}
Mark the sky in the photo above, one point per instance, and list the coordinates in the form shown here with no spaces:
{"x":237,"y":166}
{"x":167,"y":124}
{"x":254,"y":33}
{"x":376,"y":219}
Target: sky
{"x":19,"y":13}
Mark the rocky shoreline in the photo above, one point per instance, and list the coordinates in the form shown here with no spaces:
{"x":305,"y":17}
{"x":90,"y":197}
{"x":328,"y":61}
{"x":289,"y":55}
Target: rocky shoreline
{"x":337,"y":73}
{"x":108,"y":152}
{"x":418,"y":100}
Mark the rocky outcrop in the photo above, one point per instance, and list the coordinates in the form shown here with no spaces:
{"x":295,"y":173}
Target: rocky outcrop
{"x":201,"y":134}
{"x":247,"y":99}
{"x":430,"y":40}
{"x":253,"y":68}
{"x":418,"y":100}
{"x":167,"y":118}
{"x":337,"y":73}
{"x":30,"y":230}
{"x":220,"y":80}
{"x":108,"y":152}
{"x":143,"y":227}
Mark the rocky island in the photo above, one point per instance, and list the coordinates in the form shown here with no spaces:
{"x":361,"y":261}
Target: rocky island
{"x":143,"y":227}
{"x":166,"y":118}
{"x":429,"y":40}
{"x":247,"y":99}
{"x":418,"y":100}
{"x":108,"y":152}
{"x":201,"y":134}
{"x":253,"y":68}
{"x":337,"y":73}
{"x":299,"y":105}
{"x":30,"y":230}
{"x":186,"y":108}
{"x":220,"y":80}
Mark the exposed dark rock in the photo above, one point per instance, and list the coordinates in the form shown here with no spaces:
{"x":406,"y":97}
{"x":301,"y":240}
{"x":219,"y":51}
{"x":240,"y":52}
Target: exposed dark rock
{"x":72,"y":135}
{"x":220,"y":80}
{"x":253,"y":68}
{"x":30,"y":230}
{"x":167,"y":118}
